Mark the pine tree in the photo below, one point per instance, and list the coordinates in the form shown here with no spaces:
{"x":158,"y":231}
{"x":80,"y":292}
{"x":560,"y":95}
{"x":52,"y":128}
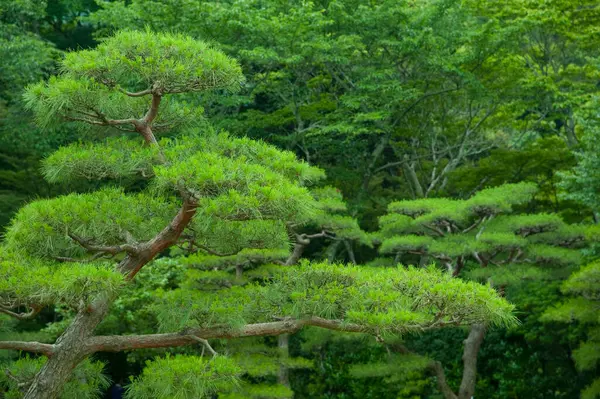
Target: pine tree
{"x":481,"y":238}
{"x":193,"y":188}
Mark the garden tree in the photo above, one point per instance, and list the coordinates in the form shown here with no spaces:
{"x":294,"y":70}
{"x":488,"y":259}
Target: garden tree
{"x":78,"y":250}
{"x":583,"y":287}
{"x":409,"y":90}
{"x":555,"y":60}
{"x":26,"y":58}
{"x":31,"y":34}
{"x":581,"y":184}
{"x":538,"y":161}
{"x":482,"y":231}
{"x":334,"y":225}
{"x":237,"y":255}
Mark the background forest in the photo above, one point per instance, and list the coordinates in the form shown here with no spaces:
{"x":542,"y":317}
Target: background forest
{"x":458,"y":133}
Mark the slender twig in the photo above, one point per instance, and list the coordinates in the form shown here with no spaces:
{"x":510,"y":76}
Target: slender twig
{"x":205,"y":343}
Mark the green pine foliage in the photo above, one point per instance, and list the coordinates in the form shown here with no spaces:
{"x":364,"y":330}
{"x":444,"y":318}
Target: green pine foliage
{"x":90,"y":90}
{"x":483,"y":230}
{"x":87,"y":381}
{"x":185,"y":377}
{"x":390,"y":97}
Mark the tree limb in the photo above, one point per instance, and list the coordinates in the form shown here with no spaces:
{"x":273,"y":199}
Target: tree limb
{"x":22,"y":316}
{"x":153,"y":111}
{"x":135,"y":94}
{"x":33,"y":347}
{"x":471,"y":350}
{"x":117,"y":343}
{"x":442,"y":384}
{"x":146,"y":251}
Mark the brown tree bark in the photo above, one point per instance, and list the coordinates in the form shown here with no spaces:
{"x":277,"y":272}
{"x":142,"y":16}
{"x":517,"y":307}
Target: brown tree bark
{"x":72,"y":346}
{"x":69,"y":351}
{"x":470,"y":352}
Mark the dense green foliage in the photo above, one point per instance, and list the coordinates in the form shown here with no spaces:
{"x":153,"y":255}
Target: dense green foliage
{"x":319,"y":147}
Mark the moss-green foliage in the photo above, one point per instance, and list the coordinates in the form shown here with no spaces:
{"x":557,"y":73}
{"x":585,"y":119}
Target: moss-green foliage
{"x":497,"y":200}
{"x":548,"y":254}
{"x":184,"y":377}
{"x":138,"y":60}
{"x":407,"y":242}
{"x":528,"y":224}
{"x":117,"y":158}
{"x":242,"y":190}
{"x":331,"y":217}
{"x":87,"y":381}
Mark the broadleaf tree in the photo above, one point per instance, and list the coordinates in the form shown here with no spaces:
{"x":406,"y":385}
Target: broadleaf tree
{"x":78,"y":251}
{"x":582,"y":306}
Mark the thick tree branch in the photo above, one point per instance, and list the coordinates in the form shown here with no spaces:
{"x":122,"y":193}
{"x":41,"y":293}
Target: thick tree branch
{"x":167,"y":237}
{"x":441,"y":380}
{"x":471,"y":350}
{"x":119,"y":343}
{"x":153,"y":111}
{"x":33,"y":347}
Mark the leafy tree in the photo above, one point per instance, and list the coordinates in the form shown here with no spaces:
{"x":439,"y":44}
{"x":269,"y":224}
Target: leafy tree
{"x":79,"y":250}
{"x":557,"y":57}
{"x":409,"y":91}
{"x":482,"y":231}
{"x":582,"y":307}
{"x":581,"y":183}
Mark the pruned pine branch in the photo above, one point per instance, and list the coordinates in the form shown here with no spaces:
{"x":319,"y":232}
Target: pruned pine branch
{"x":128,"y":342}
{"x":32,"y":347}
{"x":153,"y":110}
{"x":22,"y":316}
{"x":118,"y":343}
{"x":146,"y":251}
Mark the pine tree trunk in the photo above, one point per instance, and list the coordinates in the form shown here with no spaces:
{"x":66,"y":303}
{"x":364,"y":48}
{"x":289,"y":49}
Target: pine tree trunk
{"x":284,"y":352}
{"x":470,"y":352}
{"x":70,"y":350}
{"x":71,"y":347}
